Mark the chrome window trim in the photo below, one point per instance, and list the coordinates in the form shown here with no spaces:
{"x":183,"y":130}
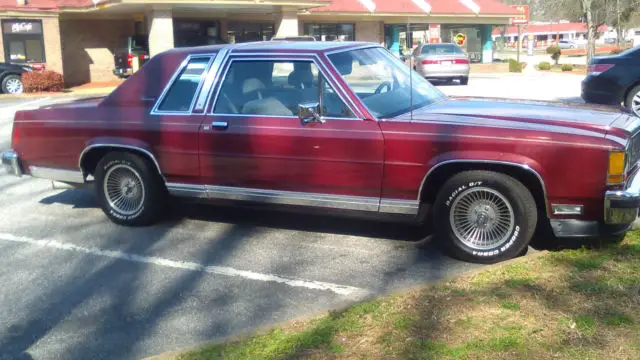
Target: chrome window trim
{"x":279,"y":57}
{"x":129,"y":147}
{"x":281,"y":197}
{"x":155,"y":110}
{"x":475,"y":161}
{"x":214,"y":73}
{"x":351,"y":48}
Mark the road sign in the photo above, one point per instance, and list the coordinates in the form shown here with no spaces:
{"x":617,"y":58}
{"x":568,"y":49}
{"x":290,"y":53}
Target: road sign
{"x":523,"y":15}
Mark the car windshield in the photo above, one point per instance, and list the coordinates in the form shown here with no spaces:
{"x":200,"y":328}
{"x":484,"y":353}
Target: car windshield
{"x":441,"y":49}
{"x":385,"y":85}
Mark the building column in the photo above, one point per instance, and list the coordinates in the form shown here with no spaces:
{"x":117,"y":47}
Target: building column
{"x":287,"y":23}
{"x":160,"y":31}
{"x":394,"y":44}
{"x":487,"y":43}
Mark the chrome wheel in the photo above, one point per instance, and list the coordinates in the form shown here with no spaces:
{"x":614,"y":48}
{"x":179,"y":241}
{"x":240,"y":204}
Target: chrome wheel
{"x":124,"y":189}
{"x":482,"y":218}
{"x":635,"y":104}
{"x":14,"y":86}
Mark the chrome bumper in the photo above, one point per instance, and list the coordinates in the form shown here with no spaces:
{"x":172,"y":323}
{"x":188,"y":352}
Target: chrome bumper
{"x":621,"y":206}
{"x":11,"y":162}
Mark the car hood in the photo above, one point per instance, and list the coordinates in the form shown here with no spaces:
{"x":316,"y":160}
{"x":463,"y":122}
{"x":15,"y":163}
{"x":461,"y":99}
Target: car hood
{"x":536,"y":115}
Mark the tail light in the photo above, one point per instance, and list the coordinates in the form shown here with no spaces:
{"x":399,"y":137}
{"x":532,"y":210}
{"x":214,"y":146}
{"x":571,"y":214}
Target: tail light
{"x":461,"y":61}
{"x":15,"y":137}
{"x":597,"y":69}
{"x":430,"y":62}
{"x":144,"y":57}
{"x":130,"y":60}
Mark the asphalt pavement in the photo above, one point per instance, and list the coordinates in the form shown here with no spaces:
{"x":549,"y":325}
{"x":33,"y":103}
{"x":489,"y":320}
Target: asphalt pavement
{"x":76,"y":286}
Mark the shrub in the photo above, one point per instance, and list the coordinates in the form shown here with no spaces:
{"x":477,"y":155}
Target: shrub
{"x":567,"y":67}
{"x":544,"y":65}
{"x":616,"y":51}
{"x":514,"y":66}
{"x":47,"y":80}
{"x":555,"y":52}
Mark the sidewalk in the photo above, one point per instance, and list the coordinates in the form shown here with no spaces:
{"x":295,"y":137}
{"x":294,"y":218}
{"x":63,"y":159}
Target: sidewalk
{"x":96,"y":88}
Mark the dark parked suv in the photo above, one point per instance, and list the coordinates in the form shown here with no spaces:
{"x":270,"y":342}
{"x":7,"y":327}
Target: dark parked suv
{"x":614,"y":80}
{"x":11,"y":77}
{"x":134,"y":48}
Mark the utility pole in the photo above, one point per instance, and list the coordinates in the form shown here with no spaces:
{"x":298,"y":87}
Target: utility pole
{"x":519,"y":43}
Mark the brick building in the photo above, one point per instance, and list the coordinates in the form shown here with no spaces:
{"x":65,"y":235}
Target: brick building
{"x":79,"y":37}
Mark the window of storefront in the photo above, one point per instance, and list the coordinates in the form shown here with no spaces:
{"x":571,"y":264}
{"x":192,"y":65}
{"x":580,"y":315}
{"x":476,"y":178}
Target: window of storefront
{"x":23,"y":41}
{"x":467,"y":37}
{"x":238,"y":32}
{"x":331,"y":32}
{"x":195,"y":33}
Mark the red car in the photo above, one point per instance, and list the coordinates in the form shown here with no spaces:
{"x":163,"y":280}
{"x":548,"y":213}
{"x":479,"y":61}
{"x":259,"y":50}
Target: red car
{"x":340,"y":126}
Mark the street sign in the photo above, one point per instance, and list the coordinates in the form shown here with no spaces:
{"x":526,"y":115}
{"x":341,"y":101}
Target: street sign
{"x":523,"y":15}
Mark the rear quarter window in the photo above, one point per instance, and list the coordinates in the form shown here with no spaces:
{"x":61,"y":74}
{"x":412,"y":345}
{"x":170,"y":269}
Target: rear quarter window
{"x":182,"y":91}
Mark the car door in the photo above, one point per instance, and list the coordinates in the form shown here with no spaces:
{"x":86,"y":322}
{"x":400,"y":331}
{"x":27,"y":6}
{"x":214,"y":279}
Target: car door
{"x":254,"y":146}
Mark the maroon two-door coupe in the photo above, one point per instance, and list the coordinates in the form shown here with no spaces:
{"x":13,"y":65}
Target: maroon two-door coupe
{"x":339,"y":126}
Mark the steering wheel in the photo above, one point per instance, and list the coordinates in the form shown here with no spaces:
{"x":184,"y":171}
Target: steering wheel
{"x":385,"y":84}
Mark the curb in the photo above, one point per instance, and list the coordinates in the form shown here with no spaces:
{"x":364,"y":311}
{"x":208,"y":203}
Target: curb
{"x":172,"y":355}
{"x":95,"y":91}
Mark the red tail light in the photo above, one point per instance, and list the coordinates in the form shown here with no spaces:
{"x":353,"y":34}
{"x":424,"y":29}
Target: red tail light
{"x":461,"y":61}
{"x":15,"y":137}
{"x":430,"y":62}
{"x":597,"y":69}
{"x":130,"y":60}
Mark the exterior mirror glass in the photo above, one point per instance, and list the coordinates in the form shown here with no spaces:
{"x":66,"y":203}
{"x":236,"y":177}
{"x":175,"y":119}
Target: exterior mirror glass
{"x":309,"y":113}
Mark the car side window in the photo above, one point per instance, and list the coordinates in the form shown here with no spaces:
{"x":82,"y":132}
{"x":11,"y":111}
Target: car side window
{"x":276,"y":88}
{"x":181,"y":93}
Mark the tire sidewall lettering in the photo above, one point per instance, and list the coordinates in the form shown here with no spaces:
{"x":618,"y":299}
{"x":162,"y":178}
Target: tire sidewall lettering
{"x":459,"y":190}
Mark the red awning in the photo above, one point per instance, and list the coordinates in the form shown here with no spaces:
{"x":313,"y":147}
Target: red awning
{"x":418,"y":7}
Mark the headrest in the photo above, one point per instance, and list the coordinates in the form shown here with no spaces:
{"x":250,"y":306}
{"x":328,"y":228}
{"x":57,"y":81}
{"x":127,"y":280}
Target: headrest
{"x":251,"y":85}
{"x":301,"y":79}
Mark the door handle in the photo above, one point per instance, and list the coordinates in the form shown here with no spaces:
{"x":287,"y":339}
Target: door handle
{"x":220,"y":125}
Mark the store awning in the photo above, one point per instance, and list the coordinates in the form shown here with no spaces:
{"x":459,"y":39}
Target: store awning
{"x":418,"y":7}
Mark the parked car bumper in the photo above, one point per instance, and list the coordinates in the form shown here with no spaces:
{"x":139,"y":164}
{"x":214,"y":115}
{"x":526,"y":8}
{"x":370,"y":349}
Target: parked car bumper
{"x":11,"y":162}
{"x":441,"y":72}
{"x":595,"y":91}
{"x":122,"y":72}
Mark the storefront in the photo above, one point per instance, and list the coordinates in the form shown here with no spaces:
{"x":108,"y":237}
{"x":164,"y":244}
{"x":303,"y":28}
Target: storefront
{"x":80,"y":37}
{"x":23,"y":41}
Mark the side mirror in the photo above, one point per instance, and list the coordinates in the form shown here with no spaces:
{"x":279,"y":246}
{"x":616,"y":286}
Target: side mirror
{"x":310,"y":113}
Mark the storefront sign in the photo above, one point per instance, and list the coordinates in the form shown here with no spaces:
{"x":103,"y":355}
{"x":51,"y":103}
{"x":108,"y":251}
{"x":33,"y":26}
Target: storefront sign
{"x":434,"y":33}
{"x":523,"y":15}
{"x":460,"y":39}
{"x":21,"y":27}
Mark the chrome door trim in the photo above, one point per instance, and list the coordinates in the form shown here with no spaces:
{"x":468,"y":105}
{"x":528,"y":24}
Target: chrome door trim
{"x":475,"y":161}
{"x":62,"y":175}
{"x":214,"y":76}
{"x":281,"y":197}
{"x":183,"y":65}
{"x":129,"y":147}
{"x":398,"y":206}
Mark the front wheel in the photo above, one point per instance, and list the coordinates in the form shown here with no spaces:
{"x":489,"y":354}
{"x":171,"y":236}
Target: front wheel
{"x":129,"y":189}
{"x":484,"y":217}
{"x":12,"y":84}
{"x":633,"y":100}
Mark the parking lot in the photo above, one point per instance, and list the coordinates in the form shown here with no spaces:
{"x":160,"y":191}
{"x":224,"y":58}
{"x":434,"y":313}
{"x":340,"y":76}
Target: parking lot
{"x":76,"y":286}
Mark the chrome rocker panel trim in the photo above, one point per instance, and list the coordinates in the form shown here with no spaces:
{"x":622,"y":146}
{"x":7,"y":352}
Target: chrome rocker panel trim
{"x":61,"y":175}
{"x":344,"y":202}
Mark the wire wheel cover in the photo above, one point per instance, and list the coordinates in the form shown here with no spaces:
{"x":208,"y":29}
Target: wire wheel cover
{"x":124,"y":189}
{"x":482,"y":218}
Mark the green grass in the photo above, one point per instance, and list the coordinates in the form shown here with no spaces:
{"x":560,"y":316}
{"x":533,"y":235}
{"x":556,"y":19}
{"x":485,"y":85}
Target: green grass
{"x":572,"y":304}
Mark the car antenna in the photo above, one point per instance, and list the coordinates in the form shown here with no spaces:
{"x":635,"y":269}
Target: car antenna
{"x":410,"y":71}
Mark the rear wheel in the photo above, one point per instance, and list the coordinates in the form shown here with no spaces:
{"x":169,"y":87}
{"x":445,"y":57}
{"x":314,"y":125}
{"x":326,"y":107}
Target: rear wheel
{"x":12,"y":84}
{"x":464,"y":80}
{"x":633,"y":100}
{"x":484,"y":217}
{"x":129,"y":189}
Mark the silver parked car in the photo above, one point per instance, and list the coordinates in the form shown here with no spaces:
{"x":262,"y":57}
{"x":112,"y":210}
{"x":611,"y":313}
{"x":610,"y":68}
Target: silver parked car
{"x":442,"y":62}
{"x":566,"y":44}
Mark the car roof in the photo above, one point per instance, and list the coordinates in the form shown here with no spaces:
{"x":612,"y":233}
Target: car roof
{"x":277,"y":45}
